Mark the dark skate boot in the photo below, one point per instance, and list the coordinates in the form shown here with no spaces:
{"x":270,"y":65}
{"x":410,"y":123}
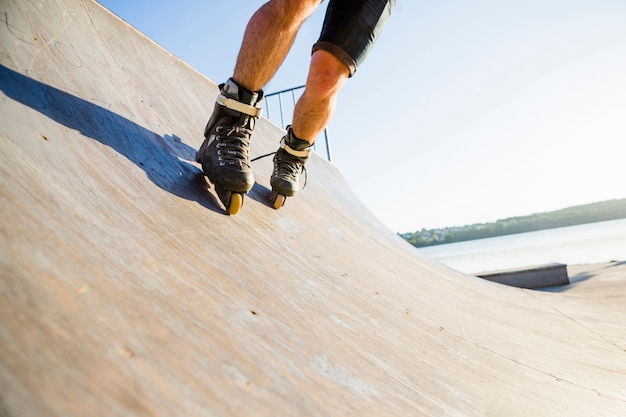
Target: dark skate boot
{"x":224,"y":152}
{"x":288,"y":165}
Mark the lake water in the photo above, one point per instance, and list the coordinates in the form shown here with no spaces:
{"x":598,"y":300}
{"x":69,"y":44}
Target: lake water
{"x":582,"y":244}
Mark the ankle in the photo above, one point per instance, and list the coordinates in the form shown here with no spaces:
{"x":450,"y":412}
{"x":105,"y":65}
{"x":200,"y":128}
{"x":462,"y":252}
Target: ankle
{"x":295,"y":142}
{"x":233,"y":89}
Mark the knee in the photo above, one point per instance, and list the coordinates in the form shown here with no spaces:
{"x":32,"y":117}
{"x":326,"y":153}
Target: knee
{"x":326,"y":75}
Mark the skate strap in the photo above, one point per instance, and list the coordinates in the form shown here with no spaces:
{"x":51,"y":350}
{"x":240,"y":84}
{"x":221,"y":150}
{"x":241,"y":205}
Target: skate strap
{"x":238,"y":106}
{"x":300,"y":154}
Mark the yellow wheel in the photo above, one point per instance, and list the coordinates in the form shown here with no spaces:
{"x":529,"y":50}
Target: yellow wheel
{"x":235,"y":204}
{"x":279,"y":201}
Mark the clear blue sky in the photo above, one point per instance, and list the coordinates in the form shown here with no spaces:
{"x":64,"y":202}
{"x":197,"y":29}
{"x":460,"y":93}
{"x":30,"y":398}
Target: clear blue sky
{"x":464,"y":112}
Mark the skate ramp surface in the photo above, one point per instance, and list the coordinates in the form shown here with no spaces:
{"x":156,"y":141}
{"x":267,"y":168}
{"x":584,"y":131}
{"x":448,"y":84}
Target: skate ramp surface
{"x":126,"y":290}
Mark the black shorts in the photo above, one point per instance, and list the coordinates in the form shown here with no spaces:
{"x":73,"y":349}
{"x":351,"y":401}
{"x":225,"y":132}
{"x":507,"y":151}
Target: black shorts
{"x":351,"y":28}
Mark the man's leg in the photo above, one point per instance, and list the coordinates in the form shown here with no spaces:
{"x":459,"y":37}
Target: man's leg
{"x":268,"y":38}
{"x":327,"y":74}
{"x":349,"y":31}
{"x":224,"y":154}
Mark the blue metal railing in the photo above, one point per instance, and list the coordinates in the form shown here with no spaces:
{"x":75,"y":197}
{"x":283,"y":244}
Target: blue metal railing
{"x":277,"y":100}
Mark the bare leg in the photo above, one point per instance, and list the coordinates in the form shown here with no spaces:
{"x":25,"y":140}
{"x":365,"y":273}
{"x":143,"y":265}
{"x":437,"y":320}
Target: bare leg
{"x":313,"y":111}
{"x":268,"y":37}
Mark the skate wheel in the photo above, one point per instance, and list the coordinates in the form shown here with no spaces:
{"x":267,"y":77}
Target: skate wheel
{"x":232,"y":201}
{"x":278,"y":200}
{"x":235,"y":203}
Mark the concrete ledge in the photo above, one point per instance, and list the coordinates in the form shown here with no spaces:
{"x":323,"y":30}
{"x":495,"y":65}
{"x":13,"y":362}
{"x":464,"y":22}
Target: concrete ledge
{"x":540,"y":276}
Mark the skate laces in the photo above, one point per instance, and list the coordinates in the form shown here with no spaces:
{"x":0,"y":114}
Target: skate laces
{"x":286,"y":165}
{"x":233,"y":144}
{"x":289,"y":166}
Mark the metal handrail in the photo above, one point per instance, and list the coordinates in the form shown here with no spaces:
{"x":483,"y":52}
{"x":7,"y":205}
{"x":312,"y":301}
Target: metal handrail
{"x":280,"y":95}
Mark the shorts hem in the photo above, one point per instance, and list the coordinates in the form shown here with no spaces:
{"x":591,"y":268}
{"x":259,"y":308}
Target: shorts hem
{"x":338,"y":52}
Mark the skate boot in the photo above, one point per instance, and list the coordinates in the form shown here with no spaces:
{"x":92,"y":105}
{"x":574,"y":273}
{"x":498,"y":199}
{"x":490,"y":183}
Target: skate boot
{"x":288,"y":165}
{"x":224,"y":152}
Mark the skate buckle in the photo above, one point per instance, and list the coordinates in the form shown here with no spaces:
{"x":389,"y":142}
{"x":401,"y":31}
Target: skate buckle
{"x":233,"y":104}
{"x":300,"y":154}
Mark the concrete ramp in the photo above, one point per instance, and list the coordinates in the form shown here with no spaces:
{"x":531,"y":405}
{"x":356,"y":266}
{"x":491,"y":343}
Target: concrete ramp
{"x":126,"y":291}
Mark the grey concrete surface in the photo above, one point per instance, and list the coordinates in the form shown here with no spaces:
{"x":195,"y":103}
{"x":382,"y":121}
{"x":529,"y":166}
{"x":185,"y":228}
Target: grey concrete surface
{"x":126,"y":291}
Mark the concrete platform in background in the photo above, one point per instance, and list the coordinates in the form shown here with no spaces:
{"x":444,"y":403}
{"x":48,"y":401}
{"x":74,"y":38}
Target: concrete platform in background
{"x":126,"y":291}
{"x":539,"y":276}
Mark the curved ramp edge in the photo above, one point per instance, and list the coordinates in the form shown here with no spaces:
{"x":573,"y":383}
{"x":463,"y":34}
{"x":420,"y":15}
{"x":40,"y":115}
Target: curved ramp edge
{"x":127,"y":291}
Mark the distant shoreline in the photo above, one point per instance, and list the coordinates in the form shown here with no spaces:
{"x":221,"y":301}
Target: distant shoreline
{"x":571,"y":216}
{"x":579,"y":244}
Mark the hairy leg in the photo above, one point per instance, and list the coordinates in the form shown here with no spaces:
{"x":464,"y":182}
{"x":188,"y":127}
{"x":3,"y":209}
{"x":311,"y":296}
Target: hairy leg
{"x":268,"y":37}
{"x":327,"y":74}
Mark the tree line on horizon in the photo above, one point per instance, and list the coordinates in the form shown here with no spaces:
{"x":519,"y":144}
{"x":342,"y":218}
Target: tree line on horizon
{"x":588,"y":213}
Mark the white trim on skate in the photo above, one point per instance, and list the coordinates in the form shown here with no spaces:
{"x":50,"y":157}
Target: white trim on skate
{"x":238,"y":106}
{"x":300,"y":154}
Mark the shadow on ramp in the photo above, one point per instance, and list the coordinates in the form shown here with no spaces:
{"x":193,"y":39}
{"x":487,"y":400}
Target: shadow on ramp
{"x":165,"y":159}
